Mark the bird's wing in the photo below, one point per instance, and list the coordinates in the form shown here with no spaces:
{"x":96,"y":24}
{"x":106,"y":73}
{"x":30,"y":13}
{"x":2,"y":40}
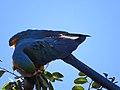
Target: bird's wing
{"x":22,"y":63}
{"x":40,"y":34}
{"x":34,"y":34}
{"x":42,"y":51}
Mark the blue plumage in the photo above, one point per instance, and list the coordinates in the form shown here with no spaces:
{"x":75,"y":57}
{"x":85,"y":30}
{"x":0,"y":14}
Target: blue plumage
{"x":34,"y":48}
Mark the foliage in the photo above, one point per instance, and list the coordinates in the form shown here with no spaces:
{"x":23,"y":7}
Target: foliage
{"x":78,"y":88}
{"x":83,"y":79}
{"x":1,"y":72}
{"x":43,"y":80}
{"x":13,"y":85}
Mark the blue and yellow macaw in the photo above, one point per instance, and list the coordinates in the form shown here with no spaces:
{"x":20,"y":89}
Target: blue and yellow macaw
{"x":36,"y":48}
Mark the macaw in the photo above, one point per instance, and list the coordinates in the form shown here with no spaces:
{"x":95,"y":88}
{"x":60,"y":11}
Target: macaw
{"x":36,"y":48}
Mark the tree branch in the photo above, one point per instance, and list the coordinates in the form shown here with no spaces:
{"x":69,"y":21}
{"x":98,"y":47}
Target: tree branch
{"x":9,"y":71}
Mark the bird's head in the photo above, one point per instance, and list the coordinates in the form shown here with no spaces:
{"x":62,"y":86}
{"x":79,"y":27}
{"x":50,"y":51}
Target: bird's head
{"x":16,"y":38}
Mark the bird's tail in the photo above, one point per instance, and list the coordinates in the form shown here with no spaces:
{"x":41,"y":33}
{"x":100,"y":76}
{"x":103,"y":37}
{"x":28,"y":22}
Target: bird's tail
{"x":90,"y":73}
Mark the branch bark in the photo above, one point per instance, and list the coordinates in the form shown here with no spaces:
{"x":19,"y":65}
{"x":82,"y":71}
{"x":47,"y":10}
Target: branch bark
{"x":72,"y":60}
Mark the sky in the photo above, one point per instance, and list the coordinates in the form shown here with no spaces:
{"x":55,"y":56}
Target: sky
{"x":98,"y":18}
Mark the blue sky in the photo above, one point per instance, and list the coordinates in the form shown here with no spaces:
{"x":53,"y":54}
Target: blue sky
{"x":98,"y":18}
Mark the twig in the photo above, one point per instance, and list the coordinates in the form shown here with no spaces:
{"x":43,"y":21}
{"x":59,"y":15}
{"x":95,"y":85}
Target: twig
{"x":90,"y":85}
{"x":9,"y":72}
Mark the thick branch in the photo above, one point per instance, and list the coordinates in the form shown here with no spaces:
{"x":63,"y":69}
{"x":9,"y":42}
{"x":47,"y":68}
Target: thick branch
{"x":91,"y":73}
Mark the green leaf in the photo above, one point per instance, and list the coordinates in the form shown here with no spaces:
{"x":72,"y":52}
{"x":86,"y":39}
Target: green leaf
{"x":15,"y":86}
{"x":95,"y":85}
{"x":1,"y":73}
{"x":81,"y":74}
{"x":57,"y":75}
{"x":77,"y":88}
{"x":50,"y":86}
{"x":19,"y":85}
{"x":7,"y":86}
{"x":44,"y":88}
{"x":58,"y":79}
{"x":43,"y":81}
{"x":38,"y":87}
{"x":80,"y":81}
{"x":49,"y":76}
{"x":106,"y":75}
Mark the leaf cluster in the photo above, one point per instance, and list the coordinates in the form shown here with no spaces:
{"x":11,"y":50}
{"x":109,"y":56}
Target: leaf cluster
{"x":13,"y":85}
{"x":83,"y":79}
{"x":45,"y":79}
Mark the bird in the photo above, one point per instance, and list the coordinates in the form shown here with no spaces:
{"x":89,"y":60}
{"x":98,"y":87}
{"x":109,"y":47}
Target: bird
{"x":36,"y":48}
